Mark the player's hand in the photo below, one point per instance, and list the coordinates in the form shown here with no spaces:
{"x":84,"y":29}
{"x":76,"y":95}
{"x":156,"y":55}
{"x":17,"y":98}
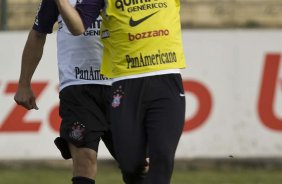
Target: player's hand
{"x":25,"y":97}
{"x":146,"y":166}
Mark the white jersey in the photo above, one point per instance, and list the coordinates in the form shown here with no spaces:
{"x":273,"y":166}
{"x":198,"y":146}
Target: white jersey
{"x":79,"y":57}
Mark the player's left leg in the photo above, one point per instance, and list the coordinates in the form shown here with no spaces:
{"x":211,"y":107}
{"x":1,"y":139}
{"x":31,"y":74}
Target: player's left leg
{"x":164,"y":124}
{"x":83,"y":124}
{"x":84,"y":164}
{"x":84,"y":158}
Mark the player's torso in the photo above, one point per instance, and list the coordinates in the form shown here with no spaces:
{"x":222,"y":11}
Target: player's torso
{"x":79,"y":57}
{"x":141,"y":37}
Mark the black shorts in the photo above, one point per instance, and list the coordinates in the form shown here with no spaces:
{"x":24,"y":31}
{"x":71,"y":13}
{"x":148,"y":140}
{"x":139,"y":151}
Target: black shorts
{"x":84,"y":110}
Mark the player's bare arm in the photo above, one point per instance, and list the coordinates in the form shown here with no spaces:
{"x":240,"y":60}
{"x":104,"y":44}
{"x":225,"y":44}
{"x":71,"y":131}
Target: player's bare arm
{"x":71,"y":17}
{"x":80,"y":17}
{"x":31,"y":56}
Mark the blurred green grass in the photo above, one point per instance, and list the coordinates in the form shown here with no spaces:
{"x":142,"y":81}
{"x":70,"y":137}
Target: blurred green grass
{"x":110,"y":175}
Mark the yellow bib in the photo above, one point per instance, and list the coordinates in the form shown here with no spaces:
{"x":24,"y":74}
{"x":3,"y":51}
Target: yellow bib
{"x":141,"y":36}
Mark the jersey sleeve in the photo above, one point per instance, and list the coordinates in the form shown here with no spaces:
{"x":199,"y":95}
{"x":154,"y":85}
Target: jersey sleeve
{"x":89,"y":10}
{"x":46,"y":16}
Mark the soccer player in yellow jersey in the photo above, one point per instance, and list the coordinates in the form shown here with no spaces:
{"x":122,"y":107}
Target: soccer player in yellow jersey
{"x":143,"y":54}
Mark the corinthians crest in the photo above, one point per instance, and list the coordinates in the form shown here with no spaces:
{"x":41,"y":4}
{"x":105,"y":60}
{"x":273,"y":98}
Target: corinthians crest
{"x":77,"y":131}
{"x":118,"y":95}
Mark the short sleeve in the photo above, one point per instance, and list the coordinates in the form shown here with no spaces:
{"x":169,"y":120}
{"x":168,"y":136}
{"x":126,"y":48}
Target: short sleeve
{"x":46,"y":17}
{"x":89,"y":10}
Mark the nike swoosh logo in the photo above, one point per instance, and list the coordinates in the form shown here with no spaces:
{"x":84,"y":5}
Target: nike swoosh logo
{"x":134,"y":23}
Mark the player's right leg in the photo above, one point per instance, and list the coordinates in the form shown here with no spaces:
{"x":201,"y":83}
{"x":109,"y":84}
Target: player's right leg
{"x":129,"y":139}
{"x":128,"y":178}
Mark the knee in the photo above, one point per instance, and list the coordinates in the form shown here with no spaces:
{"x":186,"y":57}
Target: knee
{"x":130,"y":168}
{"x":162,"y":157}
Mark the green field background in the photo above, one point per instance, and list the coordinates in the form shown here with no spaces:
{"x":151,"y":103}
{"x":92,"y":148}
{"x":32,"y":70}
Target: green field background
{"x":215,"y":173}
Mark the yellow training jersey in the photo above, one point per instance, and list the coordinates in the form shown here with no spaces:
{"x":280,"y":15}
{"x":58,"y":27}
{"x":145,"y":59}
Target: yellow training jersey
{"x":141,"y":36}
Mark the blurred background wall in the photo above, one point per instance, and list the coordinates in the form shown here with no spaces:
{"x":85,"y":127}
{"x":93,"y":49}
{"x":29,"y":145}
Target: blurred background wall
{"x":18,"y":14}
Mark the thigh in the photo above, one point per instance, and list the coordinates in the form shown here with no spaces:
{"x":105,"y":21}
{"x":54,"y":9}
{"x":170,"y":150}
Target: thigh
{"x":83,"y":118}
{"x":164,"y":128}
{"x":165,"y":115}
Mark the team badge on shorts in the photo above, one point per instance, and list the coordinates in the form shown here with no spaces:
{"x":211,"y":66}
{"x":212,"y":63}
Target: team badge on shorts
{"x":77,"y":131}
{"x":118,"y":95}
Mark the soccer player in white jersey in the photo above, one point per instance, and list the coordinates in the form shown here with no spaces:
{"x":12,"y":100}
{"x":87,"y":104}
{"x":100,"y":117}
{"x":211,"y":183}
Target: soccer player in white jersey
{"x":84,"y":93}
